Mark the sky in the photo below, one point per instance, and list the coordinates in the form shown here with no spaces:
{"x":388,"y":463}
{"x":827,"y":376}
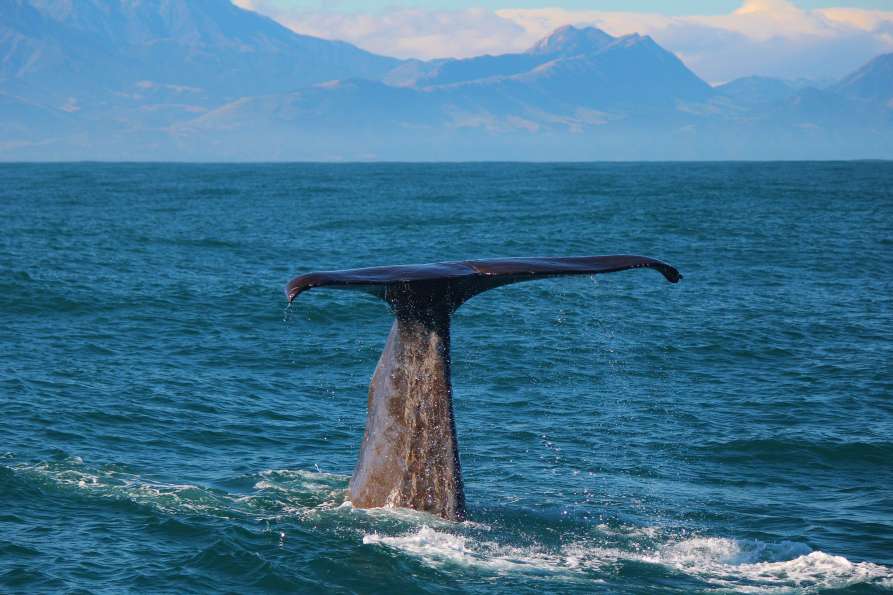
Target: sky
{"x":720,"y":40}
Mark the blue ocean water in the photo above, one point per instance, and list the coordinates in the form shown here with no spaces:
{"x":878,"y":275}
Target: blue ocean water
{"x":167,"y":425}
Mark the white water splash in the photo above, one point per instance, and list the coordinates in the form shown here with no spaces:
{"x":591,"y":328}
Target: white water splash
{"x":759,"y":567}
{"x":428,"y":543}
{"x":442,"y":548}
{"x":721,"y":563}
{"x":289,"y":480}
{"x":742,"y":566}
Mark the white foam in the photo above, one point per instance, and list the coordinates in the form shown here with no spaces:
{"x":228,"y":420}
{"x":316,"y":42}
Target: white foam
{"x":165,"y":497}
{"x":739,"y":565}
{"x":328,"y":486}
{"x":405,"y":516}
{"x":759,"y":567}
{"x":427,"y":543}
{"x":630,"y":531}
{"x":438,"y":548}
{"x":303,"y":474}
{"x":744,"y":566}
{"x":290,"y":490}
{"x":734,"y":552}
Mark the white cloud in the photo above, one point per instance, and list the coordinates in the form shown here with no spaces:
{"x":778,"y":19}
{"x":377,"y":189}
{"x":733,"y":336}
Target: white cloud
{"x":765,"y":37}
{"x":414,"y":33}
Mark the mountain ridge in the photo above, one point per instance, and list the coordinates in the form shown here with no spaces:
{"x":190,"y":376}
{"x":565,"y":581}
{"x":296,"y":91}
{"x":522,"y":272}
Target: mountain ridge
{"x":165,"y":79}
{"x":168,"y":42}
{"x":873,"y":81}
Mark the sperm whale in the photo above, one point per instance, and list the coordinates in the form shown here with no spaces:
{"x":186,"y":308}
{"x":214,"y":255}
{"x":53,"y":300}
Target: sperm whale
{"x":409,"y":456}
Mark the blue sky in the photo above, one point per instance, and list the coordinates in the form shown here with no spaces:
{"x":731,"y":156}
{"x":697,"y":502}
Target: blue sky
{"x":720,"y":40}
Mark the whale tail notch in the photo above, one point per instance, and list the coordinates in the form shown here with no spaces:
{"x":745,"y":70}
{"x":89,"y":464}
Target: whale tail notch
{"x":409,"y":456}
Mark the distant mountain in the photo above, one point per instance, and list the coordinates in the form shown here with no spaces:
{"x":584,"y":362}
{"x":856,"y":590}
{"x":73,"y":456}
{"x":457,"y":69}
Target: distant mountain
{"x":564,"y":91}
{"x":571,"y":41}
{"x":874,"y":81}
{"x":863,"y":100}
{"x":564,"y":42}
{"x":627,"y":72}
{"x":90,"y":48}
{"x":206,"y":80}
{"x":756,"y":90}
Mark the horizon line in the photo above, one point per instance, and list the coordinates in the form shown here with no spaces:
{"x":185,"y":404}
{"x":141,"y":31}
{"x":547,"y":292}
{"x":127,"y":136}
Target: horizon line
{"x":445,"y":162}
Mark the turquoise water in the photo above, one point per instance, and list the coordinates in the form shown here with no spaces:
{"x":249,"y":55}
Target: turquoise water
{"x":167,"y":425}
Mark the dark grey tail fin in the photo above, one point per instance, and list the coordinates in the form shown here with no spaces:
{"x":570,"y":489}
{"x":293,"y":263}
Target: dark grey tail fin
{"x":410,"y":456}
{"x":453,"y":283}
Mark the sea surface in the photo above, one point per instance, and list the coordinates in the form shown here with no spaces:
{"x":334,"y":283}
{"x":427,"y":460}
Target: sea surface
{"x":167,"y":425}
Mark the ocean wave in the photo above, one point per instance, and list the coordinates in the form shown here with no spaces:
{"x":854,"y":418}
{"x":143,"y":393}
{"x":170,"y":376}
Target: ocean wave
{"x":319,"y":501}
{"x":277,"y":493}
{"x":721,"y":563}
{"x":73,"y":476}
{"x":440,"y":548}
{"x":754,"y":566}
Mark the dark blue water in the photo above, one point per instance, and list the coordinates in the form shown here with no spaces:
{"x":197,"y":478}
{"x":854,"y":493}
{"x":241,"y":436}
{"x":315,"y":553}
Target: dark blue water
{"x":167,"y":426}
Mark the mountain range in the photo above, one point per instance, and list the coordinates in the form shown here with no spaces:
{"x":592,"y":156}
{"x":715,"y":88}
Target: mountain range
{"x":209,"y":81}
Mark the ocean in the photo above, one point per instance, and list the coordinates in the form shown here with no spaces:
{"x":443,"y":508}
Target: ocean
{"x":168,"y":425}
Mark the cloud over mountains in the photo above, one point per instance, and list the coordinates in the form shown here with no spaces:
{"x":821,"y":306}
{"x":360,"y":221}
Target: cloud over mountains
{"x":762,"y":37}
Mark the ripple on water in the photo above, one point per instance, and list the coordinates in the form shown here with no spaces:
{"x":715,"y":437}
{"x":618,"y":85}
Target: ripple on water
{"x":315,"y":501}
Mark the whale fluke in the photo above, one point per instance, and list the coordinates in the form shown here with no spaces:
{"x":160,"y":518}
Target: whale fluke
{"x":473,"y":276}
{"x":409,"y":456}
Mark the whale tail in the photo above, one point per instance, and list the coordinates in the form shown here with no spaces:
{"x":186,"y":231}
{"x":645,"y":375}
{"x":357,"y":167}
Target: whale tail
{"x":409,"y":456}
